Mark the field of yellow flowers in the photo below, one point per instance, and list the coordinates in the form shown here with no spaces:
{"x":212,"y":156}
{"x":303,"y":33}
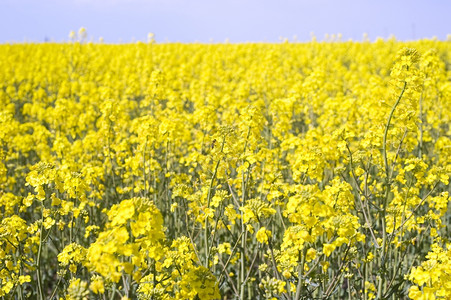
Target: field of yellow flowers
{"x":225,"y":171}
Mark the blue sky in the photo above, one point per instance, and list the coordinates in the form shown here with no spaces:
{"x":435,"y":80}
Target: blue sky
{"x":211,"y":20}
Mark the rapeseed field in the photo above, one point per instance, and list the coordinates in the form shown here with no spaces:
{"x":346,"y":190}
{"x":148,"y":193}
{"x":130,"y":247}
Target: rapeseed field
{"x":225,"y":171}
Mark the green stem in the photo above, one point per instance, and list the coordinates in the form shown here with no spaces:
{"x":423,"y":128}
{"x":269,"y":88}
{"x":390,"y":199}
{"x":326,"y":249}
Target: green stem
{"x":387,"y":194}
{"x":243,"y":226}
{"x":243,"y":242}
{"x":420,"y":143}
{"x":210,"y":189}
{"x":19,"y":254}
{"x":38,"y":264}
{"x":224,"y":270}
{"x":56,"y":288}
{"x":301,"y":275}
{"x":384,"y":144}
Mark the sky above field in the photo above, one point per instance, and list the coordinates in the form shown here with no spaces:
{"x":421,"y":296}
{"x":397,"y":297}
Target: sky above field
{"x":215,"y":21}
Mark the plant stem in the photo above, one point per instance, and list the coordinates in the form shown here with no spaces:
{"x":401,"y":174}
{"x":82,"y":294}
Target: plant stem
{"x":420,"y":143}
{"x":38,"y":263}
{"x":301,"y":275}
{"x":243,"y":242}
{"x":243,"y":225}
{"x":384,"y":143}
{"x":387,"y":194}
{"x":207,"y":234}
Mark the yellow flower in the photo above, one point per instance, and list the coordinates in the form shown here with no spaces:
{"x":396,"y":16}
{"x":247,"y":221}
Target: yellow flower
{"x":327,"y":249}
{"x":23,"y":279}
{"x":311,"y":254}
{"x":97,"y":286}
{"x":263,"y":235}
{"x":370,"y":289}
{"x":199,"y":281}
{"x":78,"y":289}
{"x":415,"y":293}
{"x":48,"y":222}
